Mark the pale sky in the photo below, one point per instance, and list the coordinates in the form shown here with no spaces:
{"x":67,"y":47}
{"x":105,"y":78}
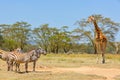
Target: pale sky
{"x":56,"y":13}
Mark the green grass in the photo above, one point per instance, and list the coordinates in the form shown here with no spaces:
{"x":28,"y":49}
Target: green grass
{"x":64,"y":61}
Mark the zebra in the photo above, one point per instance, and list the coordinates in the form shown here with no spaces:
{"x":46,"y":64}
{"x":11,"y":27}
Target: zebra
{"x":4,"y":55}
{"x":31,"y":56}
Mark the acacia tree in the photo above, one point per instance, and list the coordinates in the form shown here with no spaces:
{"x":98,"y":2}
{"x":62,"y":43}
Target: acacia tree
{"x":52,"y":39}
{"x":47,"y":38}
{"x":20,"y":32}
{"x":15,"y":35}
{"x":66,"y":39}
{"x":115,"y":46}
{"x":41,"y":36}
{"x":1,"y":40}
{"x":60,"y":40}
{"x":8,"y":42}
{"x":86,"y":30}
{"x":1,"y":36}
{"x":55,"y":40}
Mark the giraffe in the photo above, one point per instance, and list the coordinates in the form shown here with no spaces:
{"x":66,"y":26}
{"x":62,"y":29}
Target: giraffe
{"x":100,"y":38}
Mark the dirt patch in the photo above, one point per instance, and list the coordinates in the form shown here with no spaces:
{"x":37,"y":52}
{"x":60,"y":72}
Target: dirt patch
{"x":110,"y":74}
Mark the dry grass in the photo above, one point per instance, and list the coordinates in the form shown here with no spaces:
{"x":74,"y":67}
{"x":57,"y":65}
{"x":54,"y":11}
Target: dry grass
{"x":51,"y":61}
{"x":78,"y":60}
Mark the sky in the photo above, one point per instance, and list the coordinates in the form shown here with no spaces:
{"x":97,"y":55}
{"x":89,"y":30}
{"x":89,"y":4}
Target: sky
{"x":56,"y":13}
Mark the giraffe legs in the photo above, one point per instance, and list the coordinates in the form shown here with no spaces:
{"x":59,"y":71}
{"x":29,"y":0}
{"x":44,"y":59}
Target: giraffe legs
{"x":103,"y":47}
{"x":103,"y":57}
{"x":98,"y":51}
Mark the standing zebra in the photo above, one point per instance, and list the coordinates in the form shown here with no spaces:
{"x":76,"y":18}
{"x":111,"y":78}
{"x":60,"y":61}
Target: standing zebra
{"x":31,"y":56}
{"x":4,"y":55}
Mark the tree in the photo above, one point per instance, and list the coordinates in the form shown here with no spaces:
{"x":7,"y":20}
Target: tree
{"x":55,"y":40}
{"x":8,"y":43}
{"x":60,"y":39}
{"x":1,"y":38}
{"x":66,"y":39}
{"x":41,"y":36}
{"x":86,"y":30}
{"x":20,"y":32}
{"x":15,"y":35}
{"x":115,"y":46}
{"x":52,"y":39}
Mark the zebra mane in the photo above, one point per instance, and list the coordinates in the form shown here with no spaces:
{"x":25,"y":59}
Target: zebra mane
{"x":38,"y":49}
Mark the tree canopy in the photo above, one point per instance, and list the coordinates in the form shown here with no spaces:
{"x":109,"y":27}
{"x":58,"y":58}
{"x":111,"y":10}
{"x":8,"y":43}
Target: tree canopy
{"x":56,"y":40}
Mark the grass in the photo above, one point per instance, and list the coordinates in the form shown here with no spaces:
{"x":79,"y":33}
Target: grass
{"x":64,"y":61}
{"x":78,"y":60}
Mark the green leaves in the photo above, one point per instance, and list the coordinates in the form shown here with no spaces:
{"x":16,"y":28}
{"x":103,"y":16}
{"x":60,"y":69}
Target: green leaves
{"x":15,"y":35}
{"x":52,"y":39}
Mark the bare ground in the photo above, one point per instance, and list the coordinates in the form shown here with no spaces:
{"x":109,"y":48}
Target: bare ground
{"x":109,"y":74}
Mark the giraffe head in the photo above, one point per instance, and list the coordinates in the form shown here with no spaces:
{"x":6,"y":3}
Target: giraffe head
{"x":90,"y":18}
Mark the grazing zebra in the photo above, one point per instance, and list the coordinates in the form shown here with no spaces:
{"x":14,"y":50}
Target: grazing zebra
{"x":31,"y":56}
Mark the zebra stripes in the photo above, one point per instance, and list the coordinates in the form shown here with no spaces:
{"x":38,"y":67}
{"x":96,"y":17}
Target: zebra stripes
{"x":17,"y":57}
{"x":31,"y":56}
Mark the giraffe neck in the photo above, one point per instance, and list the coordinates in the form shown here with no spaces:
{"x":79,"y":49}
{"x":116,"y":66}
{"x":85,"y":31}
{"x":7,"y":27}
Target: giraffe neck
{"x":98,"y":31}
{"x":96,"y":26}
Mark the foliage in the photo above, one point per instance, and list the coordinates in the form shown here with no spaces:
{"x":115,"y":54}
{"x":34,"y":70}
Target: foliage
{"x":52,"y":39}
{"x":55,"y":40}
{"x":15,"y":35}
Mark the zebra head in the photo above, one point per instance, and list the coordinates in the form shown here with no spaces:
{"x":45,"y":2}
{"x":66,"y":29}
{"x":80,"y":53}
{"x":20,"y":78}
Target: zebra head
{"x":40,"y":51}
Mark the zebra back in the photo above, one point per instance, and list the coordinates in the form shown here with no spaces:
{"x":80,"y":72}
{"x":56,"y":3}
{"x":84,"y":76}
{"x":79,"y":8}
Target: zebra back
{"x":2,"y":51}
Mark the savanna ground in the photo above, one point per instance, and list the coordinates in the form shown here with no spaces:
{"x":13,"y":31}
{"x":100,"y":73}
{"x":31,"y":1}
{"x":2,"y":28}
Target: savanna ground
{"x":67,"y":67}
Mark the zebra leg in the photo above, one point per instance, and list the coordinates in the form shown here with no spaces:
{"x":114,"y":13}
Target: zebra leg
{"x":15,"y":66}
{"x":18,"y":67}
{"x":34,"y":64}
{"x":11,"y":66}
{"x":26,"y":67}
{"x":8,"y":63}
